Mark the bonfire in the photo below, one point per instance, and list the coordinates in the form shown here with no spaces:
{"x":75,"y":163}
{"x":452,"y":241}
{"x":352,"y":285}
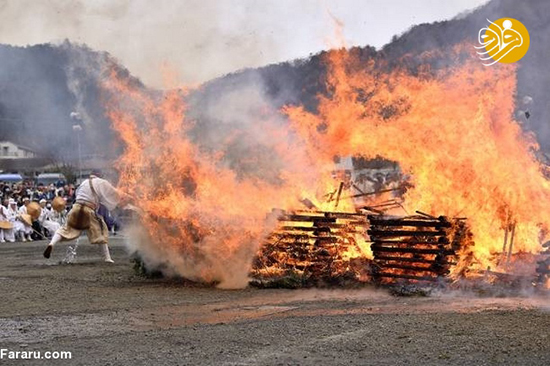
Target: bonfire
{"x":467,"y":167}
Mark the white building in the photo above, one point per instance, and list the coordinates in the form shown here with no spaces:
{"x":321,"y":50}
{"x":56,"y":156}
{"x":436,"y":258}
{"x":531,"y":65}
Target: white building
{"x":10,"y":150}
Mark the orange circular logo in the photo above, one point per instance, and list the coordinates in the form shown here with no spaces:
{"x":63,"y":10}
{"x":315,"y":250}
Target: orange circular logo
{"x":505,"y":40}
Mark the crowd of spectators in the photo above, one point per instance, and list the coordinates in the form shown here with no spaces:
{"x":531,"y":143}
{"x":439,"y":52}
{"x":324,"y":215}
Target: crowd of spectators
{"x":28,"y":191}
{"x":14,"y":198}
{"x":36,"y":192}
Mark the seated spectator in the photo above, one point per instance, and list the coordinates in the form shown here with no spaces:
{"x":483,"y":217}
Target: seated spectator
{"x":6,"y":234}
{"x":48,"y":225}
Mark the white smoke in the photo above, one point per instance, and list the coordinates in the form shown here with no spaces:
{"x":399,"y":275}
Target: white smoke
{"x":204,"y":39}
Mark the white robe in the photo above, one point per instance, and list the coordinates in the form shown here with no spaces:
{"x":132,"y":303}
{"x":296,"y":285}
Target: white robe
{"x":107,"y":194}
{"x":24,"y":228}
{"x":58,"y":217}
{"x":46,"y":221}
{"x":6,"y":234}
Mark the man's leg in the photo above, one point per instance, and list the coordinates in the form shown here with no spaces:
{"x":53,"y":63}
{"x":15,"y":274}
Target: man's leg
{"x":2,"y":236}
{"x":65,"y":232}
{"x":99,"y":234}
{"x":106,"y":254}
{"x":55,"y":239}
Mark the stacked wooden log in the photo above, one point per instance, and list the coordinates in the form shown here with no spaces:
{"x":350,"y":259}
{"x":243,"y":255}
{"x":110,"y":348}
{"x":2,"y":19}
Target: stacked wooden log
{"x":415,"y":248}
{"x":314,"y":244}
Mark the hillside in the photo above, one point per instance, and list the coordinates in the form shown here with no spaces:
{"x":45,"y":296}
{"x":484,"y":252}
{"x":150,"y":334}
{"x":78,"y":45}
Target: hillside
{"x":41,"y":85}
{"x":299,"y":81}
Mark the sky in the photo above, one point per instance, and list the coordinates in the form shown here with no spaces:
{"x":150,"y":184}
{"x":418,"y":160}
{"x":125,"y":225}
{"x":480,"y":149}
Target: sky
{"x":198,"y":40}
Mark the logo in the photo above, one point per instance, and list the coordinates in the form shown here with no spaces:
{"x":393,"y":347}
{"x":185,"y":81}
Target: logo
{"x":505,"y":40}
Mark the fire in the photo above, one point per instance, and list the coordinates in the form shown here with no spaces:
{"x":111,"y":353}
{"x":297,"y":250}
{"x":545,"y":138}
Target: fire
{"x":206,"y":212}
{"x":451,"y":129}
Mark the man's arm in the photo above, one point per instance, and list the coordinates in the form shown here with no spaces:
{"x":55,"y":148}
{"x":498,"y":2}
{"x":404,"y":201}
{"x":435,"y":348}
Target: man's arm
{"x":108,"y":195}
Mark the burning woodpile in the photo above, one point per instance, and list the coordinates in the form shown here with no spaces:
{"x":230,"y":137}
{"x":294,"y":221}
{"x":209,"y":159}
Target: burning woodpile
{"x":327,"y":248}
{"x":451,"y":133}
{"x":418,"y":248}
{"x":314,"y":247}
{"x":319,"y":248}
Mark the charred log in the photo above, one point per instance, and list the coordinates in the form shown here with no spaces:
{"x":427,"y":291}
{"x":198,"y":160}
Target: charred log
{"x":406,"y":249}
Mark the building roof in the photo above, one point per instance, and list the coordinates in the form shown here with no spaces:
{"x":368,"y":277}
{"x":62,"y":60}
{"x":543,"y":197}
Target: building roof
{"x":22,"y":147}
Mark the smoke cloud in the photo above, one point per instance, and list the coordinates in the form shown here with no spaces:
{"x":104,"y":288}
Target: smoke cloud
{"x":206,"y":177}
{"x":204,"y":39}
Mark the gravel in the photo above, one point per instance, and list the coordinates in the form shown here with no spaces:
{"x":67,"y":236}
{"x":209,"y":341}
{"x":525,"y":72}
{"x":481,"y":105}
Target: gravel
{"x":106,"y":315}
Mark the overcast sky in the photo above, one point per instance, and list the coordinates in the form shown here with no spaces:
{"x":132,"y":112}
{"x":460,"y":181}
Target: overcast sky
{"x":203,"y":39}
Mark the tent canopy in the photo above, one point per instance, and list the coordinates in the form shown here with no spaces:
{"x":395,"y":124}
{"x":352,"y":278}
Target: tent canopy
{"x":10,"y":178}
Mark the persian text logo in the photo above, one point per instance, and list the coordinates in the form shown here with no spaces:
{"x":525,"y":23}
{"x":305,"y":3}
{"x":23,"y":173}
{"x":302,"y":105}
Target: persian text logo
{"x":505,"y":40}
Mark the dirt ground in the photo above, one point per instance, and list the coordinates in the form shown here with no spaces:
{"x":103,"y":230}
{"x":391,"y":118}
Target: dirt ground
{"x":106,"y":315}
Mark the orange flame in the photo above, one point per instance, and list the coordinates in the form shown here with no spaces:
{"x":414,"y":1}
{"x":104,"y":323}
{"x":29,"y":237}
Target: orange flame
{"x":451,"y":130}
{"x":203,"y":217}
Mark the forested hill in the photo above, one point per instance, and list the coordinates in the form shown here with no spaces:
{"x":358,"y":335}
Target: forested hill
{"x":41,"y":85}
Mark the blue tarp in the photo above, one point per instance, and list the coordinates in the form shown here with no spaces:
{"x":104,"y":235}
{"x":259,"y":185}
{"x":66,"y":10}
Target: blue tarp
{"x":10,"y":178}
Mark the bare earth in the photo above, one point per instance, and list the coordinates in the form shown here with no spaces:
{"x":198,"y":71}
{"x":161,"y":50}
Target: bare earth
{"x":106,"y":315}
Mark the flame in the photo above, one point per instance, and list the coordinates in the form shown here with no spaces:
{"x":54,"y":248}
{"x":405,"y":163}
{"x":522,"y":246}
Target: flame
{"x":206,"y":213}
{"x":451,"y":129}
{"x":202,"y":216}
